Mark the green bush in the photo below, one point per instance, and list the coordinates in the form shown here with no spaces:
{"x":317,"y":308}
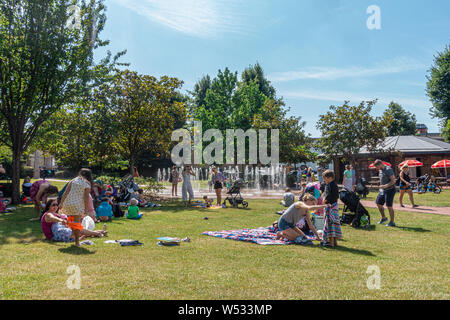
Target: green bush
{"x":149,"y":185}
{"x":27,"y":171}
{"x":109,"y":180}
{"x":64,"y":174}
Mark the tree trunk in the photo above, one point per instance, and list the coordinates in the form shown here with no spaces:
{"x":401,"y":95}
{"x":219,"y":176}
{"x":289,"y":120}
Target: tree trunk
{"x":17,"y":155}
{"x":132,"y":166}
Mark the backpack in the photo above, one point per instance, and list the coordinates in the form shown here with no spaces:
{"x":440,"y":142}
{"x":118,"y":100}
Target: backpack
{"x":117,"y":211}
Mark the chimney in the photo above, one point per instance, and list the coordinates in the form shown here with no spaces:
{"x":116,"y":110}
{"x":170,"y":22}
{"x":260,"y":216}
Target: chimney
{"x":422,"y":129}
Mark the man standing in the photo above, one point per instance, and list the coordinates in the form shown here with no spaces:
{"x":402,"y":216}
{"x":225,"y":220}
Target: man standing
{"x":387,"y":191}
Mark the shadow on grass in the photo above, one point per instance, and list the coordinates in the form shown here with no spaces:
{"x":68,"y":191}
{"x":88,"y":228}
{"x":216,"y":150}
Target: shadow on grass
{"x":414,"y":229}
{"x":16,"y":226}
{"x":177,"y":206}
{"x":351,"y":250}
{"x":369,"y":228}
{"x":74,"y":250}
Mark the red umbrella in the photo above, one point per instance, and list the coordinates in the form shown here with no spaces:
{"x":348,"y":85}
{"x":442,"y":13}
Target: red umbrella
{"x":411,"y":163}
{"x":442,"y":164}
{"x":372,"y":166}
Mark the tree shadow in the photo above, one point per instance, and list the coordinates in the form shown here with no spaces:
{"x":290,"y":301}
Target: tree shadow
{"x":74,"y":250}
{"x":15,"y":225}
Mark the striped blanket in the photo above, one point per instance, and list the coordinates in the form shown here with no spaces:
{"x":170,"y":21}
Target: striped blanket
{"x":262,"y":236}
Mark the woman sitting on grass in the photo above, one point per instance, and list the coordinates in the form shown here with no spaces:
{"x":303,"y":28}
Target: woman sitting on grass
{"x":55,"y":225}
{"x":296,"y":212}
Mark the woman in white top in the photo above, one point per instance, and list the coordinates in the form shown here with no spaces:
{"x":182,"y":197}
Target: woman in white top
{"x":187,"y":186}
{"x":75,"y":201}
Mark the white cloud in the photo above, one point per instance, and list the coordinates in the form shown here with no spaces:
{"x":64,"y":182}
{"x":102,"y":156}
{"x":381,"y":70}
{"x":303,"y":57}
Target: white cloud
{"x":340,"y":97}
{"x":398,"y":65}
{"x":199,"y":18}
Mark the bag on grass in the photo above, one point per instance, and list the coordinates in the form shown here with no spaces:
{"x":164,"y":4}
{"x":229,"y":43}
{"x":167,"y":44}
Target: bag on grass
{"x":117,"y":211}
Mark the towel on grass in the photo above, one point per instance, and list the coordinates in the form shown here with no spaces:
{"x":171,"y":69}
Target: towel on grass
{"x":262,"y":236}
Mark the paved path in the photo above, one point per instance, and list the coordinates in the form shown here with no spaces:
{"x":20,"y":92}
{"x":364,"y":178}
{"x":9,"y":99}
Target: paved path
{"x":445,"y":211}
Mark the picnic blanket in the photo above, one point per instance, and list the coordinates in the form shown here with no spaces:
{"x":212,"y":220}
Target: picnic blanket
{"x":262,"y":236}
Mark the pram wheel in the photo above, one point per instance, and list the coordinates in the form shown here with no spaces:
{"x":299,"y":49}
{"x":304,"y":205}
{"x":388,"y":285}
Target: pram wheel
{"x":245,"y":204}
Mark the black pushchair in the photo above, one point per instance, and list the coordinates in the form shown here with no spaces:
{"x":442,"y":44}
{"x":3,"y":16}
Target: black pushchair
{"x":358,"y":216}
{"x":361,"y":187}
{"x":234,"y":195}
{"x":126,"y":188}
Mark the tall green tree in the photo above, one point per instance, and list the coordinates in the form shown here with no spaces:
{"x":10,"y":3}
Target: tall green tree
{"x":346,"y":129}
{"x":220,"y":102}
{"x":438,"y":89}
{"x":294,"y":144}
{"x":404,"y":122}
{"x":200,"y":89}
{"x":44,"y":64}
{"x":65,"y":135}
{"x":255,"y":74}
{"x":251,"y":102}
{"x":144,"y":111}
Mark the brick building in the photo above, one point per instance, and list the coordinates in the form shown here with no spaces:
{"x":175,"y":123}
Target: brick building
{"x":397,"y":149}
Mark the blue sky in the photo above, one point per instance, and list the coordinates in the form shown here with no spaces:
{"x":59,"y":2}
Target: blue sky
{"x":316,"y":53}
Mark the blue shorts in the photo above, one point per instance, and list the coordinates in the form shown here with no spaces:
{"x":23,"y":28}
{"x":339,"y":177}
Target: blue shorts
{"x":136,"y":218}
{"x":284,"y":225}
{"x":386,"y":198}
{"x":404,"y":187}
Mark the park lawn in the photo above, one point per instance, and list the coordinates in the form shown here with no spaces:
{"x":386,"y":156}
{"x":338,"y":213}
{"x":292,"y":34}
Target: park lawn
{"x":424,"y":199}
{"x":413,"y":259}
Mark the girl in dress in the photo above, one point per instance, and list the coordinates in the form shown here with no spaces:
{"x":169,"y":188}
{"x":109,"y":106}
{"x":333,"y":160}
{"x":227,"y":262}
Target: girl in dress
{"x":75,"y":201}
{"x":332,"y":228}
{"x":218,"y":179}
{"x":174,"y":176}
{"x":348,"y":178}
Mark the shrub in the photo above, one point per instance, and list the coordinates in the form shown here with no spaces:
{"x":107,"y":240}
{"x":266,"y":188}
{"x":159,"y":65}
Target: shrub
{"x":149,"y":185}
{"x":64,"y":174}
{"x":27,"y":171}
{"x":109,"y":180}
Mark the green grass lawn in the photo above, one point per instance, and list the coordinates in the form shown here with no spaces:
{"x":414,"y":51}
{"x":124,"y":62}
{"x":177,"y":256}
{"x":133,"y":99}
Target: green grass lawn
{"x":413,"y":260}
{"x":424,"y":199}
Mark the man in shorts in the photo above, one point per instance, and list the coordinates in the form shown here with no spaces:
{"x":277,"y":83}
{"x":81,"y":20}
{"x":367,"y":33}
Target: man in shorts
{"x":387,"y":192}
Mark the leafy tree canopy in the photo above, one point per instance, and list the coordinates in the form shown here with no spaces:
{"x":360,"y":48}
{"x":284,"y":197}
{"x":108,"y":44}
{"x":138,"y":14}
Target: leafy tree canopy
{"x":403,"y":122}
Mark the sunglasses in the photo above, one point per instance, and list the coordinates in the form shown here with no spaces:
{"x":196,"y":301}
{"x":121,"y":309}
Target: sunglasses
{"x":54,"y":205}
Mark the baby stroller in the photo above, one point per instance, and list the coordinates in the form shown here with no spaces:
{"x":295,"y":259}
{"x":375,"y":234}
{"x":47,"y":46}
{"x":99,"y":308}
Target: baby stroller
{"x":126,"y":188}
{"x":432,"y":186}
{"x":361,"y":187}
{"x":422,"y":184}
{"x":358,"y":216}
{"x":234,"y":195}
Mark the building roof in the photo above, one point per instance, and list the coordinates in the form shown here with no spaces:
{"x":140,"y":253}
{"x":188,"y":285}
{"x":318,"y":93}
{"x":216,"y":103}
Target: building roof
{"x":412,"y":144}
{"x":421,"y":126}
